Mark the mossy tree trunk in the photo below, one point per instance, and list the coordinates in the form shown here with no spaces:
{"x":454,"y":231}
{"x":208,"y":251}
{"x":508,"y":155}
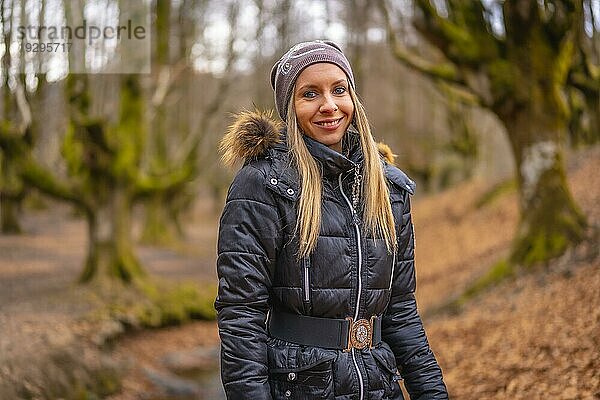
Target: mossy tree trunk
{"x":104,"y":176}
{"x":536,"y":116}
{"x":103,"y":167}
{"x":9,"y":214}
{"x":103,"y":179}
{"x":11,"y":187}
{"x":550,"y":220}
{"x":110,"y":248}
{"x":15,"y":143}
{"x":522,"y":77}
{"x":157,"y":228}
{"x":105,"y":159}
{"x":463,"y":143}
{"x":11,"y":196}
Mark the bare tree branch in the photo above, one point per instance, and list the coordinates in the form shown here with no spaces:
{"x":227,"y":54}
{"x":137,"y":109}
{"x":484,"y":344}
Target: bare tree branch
{"x":225,"y":82}
{"x":167,"y":78}
{"x":446,"y":74}
{"x":446,"y":71}
{"x":23,"y":106}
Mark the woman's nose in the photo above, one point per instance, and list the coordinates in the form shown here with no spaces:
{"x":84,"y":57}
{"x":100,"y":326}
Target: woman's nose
{"x":328,"y":105}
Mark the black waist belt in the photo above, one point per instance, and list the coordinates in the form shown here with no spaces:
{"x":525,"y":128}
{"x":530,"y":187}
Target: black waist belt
{"x":331,"y":333}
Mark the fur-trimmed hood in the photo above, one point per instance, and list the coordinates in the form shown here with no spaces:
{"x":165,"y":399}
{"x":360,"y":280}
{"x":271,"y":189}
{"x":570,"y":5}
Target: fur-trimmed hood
{"x":253,"y":133}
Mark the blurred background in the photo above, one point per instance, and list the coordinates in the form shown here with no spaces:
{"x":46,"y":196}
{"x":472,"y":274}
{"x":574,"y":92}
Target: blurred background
{"x":111,"y":185}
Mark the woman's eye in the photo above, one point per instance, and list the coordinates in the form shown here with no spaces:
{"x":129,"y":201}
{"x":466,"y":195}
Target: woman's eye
{"x":310,"y":94}
{"x":339,"y":90}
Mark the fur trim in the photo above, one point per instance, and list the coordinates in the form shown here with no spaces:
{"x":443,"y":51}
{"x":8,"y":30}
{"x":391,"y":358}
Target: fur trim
{"x":386,"y":153}
{"x":251,"y":134}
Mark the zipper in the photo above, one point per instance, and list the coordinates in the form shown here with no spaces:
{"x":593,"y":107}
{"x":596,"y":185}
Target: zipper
{"x":306,"y":263}
{"x":360,"y":379}
{"x":358,"y":240}
{"x":392,"y":273}
{"x":391,"y":279}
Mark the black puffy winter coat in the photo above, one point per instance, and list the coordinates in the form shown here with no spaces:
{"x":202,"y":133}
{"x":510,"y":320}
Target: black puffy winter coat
{"x":258,"y":271}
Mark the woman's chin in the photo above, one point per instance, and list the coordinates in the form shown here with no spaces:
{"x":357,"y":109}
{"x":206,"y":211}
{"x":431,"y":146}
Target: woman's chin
{"x":329,"y":139}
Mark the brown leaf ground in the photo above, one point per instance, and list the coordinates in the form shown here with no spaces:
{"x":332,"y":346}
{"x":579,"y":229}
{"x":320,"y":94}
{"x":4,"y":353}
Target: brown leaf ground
{"x":534,"y":337}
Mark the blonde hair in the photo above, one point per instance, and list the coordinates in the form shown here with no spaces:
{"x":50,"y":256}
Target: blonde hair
{"x":377,"y":217}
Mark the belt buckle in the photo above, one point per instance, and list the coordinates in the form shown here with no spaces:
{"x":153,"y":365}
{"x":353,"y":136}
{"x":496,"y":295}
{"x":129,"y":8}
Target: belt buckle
{"x":360,"y":333}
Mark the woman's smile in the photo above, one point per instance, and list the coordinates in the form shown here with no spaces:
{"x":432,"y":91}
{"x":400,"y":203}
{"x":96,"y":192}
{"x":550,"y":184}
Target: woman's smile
{"x":329,"y":124}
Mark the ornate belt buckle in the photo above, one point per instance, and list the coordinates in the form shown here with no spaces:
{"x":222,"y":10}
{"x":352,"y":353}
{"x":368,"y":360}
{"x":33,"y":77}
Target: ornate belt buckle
{"x":360,"y":334}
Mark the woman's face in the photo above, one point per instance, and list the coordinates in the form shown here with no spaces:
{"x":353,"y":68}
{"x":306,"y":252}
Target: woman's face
{"x":323,"y":105}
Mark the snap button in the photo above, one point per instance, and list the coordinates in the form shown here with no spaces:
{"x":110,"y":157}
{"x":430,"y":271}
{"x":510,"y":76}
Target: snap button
{"x":273,"y":181}
{"x":287,"y":393}
{"x":291,"y":376}
{"x":290,"y":192}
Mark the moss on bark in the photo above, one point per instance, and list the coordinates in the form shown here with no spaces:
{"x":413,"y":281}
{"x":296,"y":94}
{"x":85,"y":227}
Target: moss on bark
{"x":527,"y":71}
{"x":9,"y":221}
{"x":158,"y":229}
{"x":103,"y":162}
{"x":554,"y":224}
{"x":153,"y":303}
{"x":496,"y":274}
{"x":173,"y":304}
{"x":111,"y":253}
{"x":497,"y":191}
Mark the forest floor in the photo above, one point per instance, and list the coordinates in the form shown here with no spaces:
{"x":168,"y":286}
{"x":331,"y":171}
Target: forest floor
{"x":535,"y":336}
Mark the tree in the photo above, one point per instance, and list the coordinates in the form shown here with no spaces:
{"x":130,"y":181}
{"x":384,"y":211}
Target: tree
{"x":521,"y":75}
{"x":16,"y":122}
{"x":213,"y":174}
{"x":104,"y":159}
{"x":162,"y":208}
{"x":583,"y":94}
{"x":104,"y":174}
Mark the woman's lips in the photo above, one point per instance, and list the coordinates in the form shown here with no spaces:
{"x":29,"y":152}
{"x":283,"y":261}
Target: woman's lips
{"x":330,"y":124}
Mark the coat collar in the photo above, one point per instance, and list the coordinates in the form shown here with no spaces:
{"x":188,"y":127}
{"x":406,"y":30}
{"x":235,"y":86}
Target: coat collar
{"x":256,"y":134}
{"x":334,"y":163}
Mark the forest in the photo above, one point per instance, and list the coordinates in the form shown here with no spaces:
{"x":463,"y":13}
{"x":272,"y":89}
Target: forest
{"x":111,"y":182}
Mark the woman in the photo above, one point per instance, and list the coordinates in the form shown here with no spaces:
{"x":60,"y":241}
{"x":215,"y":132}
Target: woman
{"x":315,"y":251}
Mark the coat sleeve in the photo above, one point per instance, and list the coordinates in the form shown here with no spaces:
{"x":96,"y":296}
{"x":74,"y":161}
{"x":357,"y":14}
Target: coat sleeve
{"x":402,"y":327}
{"x":247,"y":243}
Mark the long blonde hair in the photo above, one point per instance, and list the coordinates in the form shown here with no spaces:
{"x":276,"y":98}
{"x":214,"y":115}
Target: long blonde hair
{"x":377,"y":217}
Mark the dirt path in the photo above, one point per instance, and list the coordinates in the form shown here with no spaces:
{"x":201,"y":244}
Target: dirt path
{"x":41,"y":306}
{"x":50,"y":254}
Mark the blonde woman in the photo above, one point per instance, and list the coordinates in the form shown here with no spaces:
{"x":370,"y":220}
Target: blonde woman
{"x":315,"y":251}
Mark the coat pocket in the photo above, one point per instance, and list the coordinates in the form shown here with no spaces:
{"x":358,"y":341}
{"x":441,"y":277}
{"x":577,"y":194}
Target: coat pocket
{"x":384,"y":358}
{"x":311,"y":381}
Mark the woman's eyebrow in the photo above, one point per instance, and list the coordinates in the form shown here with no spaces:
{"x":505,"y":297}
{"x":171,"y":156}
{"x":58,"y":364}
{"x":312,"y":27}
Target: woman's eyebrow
{"x":307,"y":86}
{"x":313,"y":86}
{"x":338,"y":82}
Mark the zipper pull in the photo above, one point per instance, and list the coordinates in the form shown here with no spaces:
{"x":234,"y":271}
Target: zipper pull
{"x":356,"y":189}
{"x":355,"y":218}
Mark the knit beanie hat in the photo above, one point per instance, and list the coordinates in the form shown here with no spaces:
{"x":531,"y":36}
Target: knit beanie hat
{"x":285,"y":71}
